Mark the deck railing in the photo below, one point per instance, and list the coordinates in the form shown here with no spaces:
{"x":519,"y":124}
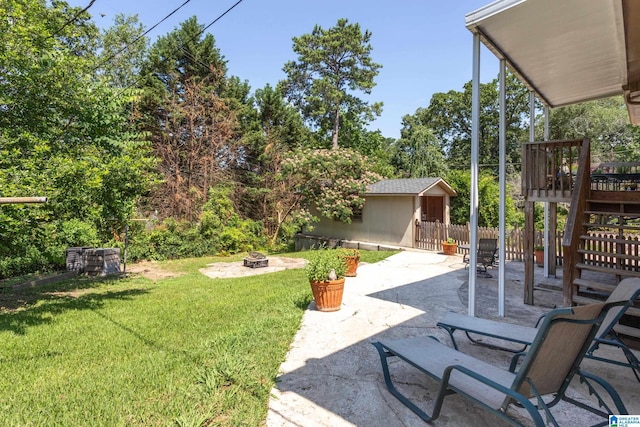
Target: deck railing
{"x":549,"y":169}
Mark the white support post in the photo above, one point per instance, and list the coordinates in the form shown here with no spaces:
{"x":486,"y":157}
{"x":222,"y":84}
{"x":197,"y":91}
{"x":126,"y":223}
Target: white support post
{"x":532,"y":138}
{"x":546,"y":204}
{"x":503,"y":191}
{"x":475,"y":149}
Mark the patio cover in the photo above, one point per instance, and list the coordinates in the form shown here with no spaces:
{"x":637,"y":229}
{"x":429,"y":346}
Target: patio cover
{"x":567,"y":51}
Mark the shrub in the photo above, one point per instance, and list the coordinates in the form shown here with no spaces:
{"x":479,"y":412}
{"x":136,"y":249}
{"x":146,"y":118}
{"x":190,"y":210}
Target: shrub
{"x":322,"y":261}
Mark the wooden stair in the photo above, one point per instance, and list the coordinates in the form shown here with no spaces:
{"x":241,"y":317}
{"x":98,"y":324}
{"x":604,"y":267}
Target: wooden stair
{"x":609,"y":251}
{"x":601,"y":240}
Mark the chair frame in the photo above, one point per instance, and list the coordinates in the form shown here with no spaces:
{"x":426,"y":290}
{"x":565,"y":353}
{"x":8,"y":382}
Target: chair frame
{"x":495,"y":389}
{"x":628,"y":290}
{"x":486,"y":256}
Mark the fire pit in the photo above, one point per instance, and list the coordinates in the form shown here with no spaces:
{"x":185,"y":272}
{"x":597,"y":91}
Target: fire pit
{"x":256,"y":260}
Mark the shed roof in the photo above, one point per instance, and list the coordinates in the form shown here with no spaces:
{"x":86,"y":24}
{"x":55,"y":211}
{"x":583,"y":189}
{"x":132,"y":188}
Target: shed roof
{"x":567,"y":51}
{"x":407,"y":186}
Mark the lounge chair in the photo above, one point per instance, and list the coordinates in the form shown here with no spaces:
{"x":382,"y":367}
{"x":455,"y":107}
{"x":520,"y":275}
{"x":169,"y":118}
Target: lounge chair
{"x":628,"y":289}
{"x":548,"y":367}
{"x":486,"y":256}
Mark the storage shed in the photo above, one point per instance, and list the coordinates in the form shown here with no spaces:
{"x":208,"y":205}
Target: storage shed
{"x":390,"y":212}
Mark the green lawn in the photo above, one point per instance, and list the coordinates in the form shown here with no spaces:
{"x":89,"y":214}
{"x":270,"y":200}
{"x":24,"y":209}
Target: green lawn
{"x":187,"y":350}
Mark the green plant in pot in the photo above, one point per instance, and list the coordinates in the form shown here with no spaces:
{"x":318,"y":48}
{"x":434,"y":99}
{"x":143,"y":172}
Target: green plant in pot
{"x":449,"y":246}
{"x":352,"y":258}
{"x":538,"y":253}
{"x":325,"y":270}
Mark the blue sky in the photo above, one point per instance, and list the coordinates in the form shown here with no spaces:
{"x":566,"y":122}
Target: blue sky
{"x":423,"y":45}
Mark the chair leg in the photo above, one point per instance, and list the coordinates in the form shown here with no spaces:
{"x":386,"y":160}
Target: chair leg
{"x":482,"y":269}
{"x":615,"y":341}
{"x":586,"y":378}
{"x":450,"y":330}
{"x":542,"y":405}
{"x":634,"y":363}
{"x":384,"y":354}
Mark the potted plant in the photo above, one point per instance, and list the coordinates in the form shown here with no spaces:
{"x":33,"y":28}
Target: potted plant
{"x":325,"y":271}
{"x":352,"y":258}
{"x":449,"y":246}
{"x":538,"y":252}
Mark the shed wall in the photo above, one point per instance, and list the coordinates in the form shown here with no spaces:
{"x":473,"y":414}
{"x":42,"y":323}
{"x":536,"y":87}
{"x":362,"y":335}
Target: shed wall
{"x":385,"y":219}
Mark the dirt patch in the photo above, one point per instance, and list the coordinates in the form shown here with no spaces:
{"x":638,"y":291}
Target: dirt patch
{"x":153,"y":271}
{"x":237,"y":269}
{"x":150,"y":270}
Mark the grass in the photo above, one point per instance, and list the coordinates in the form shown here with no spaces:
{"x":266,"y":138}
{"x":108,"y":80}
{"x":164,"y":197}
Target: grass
{"x":186,"y":351}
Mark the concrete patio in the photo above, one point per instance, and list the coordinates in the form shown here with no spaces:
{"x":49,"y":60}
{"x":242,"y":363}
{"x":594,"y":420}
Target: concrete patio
{"x":332,"y":374}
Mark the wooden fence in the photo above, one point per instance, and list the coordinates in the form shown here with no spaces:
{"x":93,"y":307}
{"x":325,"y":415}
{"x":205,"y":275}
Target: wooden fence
{"x":612,"y":251}
{"x":429,"y":235}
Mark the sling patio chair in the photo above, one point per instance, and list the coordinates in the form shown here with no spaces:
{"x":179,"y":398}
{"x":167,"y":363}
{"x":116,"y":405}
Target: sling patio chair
{"x":486,"y":256}
{"x":552,"y":361}
{"x":627,"y":290}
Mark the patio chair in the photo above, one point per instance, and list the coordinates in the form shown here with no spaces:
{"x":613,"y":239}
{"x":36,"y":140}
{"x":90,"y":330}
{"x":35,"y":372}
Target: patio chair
{"x":548,"y":367}
{"x":628,"y":290}
{"x":487,"y":249}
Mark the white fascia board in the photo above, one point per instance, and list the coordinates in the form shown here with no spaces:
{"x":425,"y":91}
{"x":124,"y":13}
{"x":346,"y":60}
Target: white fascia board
{"x":472,"y":19}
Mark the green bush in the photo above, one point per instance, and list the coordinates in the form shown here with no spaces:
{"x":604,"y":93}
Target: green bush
{"x":44,"y":249}
{"x":322,"y":261}
{"x":31,"y":260}
{"x":172,"y":240}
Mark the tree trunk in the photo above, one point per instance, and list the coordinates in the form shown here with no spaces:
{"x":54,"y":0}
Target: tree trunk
{"x":274,"y":238}
{"x":336,"y":125}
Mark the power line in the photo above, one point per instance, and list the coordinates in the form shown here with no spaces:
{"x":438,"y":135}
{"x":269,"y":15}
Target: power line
{"x":189,"y":54}
{"x":140,"y":36}
{"x":218,"y":18}
{"x":180,"y":45}
{"x":57,"y":32}
{"x":135,"y":82}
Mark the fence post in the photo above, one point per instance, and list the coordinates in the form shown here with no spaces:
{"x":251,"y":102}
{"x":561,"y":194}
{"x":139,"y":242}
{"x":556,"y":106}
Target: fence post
{"x":468,"y":233}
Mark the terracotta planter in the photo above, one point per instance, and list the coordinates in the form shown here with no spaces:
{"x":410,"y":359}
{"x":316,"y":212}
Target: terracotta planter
{"x":328,"y":294}
{"x":449,"y":248}
{"x":539,"y":256}
{"x":352,"y":265}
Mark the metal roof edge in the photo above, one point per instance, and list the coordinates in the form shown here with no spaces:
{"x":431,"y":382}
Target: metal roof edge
{"x":472,"y":19}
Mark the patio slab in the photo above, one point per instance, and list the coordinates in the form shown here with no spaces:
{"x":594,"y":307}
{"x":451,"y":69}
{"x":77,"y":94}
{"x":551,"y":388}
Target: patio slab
{"x":332,"y":374}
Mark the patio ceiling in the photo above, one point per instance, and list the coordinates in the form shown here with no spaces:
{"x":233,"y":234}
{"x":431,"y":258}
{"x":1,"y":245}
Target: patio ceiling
{"x":567,"y":51}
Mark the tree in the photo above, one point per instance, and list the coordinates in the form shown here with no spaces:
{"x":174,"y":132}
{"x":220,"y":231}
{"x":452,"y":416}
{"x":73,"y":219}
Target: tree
{"x":183,"y":55}
{"x":279,"y":130}
{"x":378,"y":149}
{"x":194,"y":113}
{"x":418,"y":153}
{"x":605,"y":122}
{"x":65,"y":134}
{"x":331,"y":181}
{"x":488,"y":194}
{"x":192,"y":145}
{"x":449,"y":117}
{"x":124,"y":49}
{"x":332,"y":66}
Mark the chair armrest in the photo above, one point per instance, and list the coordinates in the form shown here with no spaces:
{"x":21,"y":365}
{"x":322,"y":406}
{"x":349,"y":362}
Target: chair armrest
{"x":515,"y":359}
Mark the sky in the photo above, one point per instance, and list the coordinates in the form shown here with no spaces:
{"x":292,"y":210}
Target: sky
{"x":422,"y":45}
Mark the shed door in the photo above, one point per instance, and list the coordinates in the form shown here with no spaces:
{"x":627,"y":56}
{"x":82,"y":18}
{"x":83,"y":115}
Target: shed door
{"x":433,"y":208}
